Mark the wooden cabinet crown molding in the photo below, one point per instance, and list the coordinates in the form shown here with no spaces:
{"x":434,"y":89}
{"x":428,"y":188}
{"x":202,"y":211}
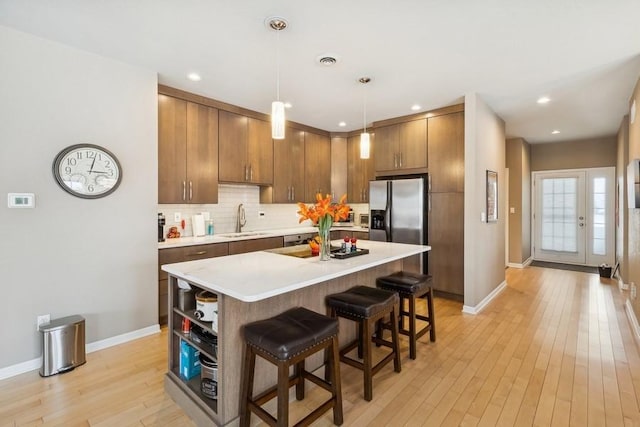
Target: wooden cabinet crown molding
{"x":199,"y":99}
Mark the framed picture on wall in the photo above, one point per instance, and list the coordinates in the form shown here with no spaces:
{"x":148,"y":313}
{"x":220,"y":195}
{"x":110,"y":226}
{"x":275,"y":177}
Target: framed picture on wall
{"x":492,"y":196}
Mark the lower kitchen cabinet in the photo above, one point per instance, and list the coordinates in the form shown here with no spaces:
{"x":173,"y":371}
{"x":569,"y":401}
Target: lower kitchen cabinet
{"x":446,"y":238}
{"x":244,"y":246}
{"x":340,"y":234}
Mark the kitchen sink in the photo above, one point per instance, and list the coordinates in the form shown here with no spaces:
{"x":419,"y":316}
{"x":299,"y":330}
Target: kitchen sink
{"x":245,"y":234}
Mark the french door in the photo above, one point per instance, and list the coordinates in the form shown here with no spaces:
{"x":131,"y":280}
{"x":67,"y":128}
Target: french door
{"x":574,"y":216}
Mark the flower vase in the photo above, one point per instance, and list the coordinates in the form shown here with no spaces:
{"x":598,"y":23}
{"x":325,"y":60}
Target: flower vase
{"x":324,"y":227}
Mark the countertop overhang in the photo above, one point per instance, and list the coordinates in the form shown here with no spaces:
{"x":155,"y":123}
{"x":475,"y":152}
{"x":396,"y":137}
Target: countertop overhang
{"x":251,"y":235}
{"x":256,"y":276}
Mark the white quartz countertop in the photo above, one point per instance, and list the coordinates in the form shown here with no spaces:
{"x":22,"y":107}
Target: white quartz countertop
{"x":255,"y":276}
{"x":247,"y":235}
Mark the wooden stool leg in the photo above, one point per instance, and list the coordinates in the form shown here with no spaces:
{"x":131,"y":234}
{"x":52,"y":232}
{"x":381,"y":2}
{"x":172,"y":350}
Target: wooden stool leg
{"x":365,"y":340}
{"x":299,"y":369}
{"x":247,"y":385}
{"x":334,"y":361}
{"x":361,"y":339}
{"x":283,"y":394}
{"x":412,"y":327}
{"x":394,"y":338}
{"x":432,"y":315}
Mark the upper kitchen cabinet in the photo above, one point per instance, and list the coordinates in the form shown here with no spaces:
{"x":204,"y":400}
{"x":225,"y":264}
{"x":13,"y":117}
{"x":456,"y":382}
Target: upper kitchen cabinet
{"x":288,"y":165}
{"x":187,"y":152}
{"x":446,"y":153}
{"x":401,"y":148}
{"x":246,"y":150}
{"x":359,"y":171}
{"x":317,"y":161}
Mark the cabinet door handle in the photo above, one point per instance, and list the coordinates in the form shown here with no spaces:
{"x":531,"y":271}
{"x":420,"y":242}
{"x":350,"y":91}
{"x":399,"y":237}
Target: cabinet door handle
{"x":197,"y":253}
{"x":184,"y":190}
{"x":245,"y":173}
{"x":429,"y":203}
{"x":429,"y":182}
{"x":395,"y":160}
{"x":250,"y":173}
{"x":293,"y":193}
{"x":400,"y":155}
{"x":190,"y":190}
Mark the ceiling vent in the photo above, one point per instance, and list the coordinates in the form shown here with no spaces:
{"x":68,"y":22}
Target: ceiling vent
{"x":327,"y":60}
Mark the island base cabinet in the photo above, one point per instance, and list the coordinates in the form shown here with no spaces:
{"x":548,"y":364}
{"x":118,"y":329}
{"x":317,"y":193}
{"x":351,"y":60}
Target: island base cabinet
{"x":232,"y":315}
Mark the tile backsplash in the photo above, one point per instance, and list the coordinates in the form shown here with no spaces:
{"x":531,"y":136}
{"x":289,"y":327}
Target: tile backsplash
{"x":224,"y":213}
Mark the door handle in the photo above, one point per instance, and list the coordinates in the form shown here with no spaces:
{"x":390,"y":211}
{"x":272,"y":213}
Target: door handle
{"x":581,"y":224}
{"x":184,"y":190}
{"x":401,"y":159}
{"x":190,"y":190}
{"x":250,"y":173}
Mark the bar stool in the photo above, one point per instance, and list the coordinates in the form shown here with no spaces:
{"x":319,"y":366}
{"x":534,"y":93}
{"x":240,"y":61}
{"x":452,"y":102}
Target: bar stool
{"x":366,"y":305}
{"x":411,"y":286}
{"x":285,"y":340}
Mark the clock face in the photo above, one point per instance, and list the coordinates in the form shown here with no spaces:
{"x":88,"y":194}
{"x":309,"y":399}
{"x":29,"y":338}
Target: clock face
{"x":87,"y":171}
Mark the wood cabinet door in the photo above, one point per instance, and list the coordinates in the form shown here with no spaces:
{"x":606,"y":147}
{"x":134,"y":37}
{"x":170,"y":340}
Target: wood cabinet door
{"x":233,"y":136}
{"x":260,"y":152}
{"x":446,"y":238}
{"x":387,"y":148}
{"x":317,"y":166}
{"x":202,"y":154}
{"x":359,"y":171}
{"x":413,"y":144}
{"x":446,"y":152}
{"x":172,"y":141}
{"x":288,"y":168}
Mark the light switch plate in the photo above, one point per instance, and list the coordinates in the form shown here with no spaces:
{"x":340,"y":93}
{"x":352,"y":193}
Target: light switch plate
{"x":21,"y":200}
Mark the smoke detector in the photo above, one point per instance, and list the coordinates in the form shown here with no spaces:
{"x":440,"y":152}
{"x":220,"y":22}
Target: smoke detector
{"x":327,"y":59}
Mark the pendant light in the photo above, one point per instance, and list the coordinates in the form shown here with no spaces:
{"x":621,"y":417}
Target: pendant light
{"x":277,"y":107}
{"x":365,"y":142}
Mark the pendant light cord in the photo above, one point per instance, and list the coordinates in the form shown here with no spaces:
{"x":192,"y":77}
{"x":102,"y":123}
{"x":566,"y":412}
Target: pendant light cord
{"x":364,"y":96}
{"x":277,"y":65}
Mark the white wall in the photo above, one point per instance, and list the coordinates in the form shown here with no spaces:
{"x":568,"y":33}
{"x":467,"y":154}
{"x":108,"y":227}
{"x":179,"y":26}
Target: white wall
{"x":484,"y":243}
{"x":96,"y":258}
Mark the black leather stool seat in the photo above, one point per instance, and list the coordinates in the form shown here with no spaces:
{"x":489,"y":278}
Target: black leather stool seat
{"x":362,"y":301}
{"x":411,"y":286}
{"x":291,"y":332}
{"x":286,"y":340}
{"x":406,"y":282}
{"x":366,"y":306}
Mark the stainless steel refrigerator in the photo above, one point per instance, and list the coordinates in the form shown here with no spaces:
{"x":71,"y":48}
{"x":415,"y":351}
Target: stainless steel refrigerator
{"x":397,"y":213}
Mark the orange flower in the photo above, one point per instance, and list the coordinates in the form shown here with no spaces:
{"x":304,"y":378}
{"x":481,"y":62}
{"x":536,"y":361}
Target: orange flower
{"x":324,"y":209}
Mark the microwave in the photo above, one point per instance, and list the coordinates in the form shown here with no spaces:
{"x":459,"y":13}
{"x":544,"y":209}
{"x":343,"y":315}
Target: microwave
{"x":364,"y":220}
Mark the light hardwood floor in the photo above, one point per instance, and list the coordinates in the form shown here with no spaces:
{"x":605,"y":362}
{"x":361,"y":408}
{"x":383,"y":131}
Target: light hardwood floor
{"x":554,"y":348}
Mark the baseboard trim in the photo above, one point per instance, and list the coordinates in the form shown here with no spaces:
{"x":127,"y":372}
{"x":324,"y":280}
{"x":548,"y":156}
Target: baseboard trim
{"x":633,"y":320}
{"x":523,"y":265}
{"x":33,"y":364}
{"x":478,"y":308}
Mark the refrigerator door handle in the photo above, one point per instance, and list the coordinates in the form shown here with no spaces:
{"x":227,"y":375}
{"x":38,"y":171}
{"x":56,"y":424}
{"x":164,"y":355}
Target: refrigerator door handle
{"x":429,"y":202}
{"x":387,"y":213}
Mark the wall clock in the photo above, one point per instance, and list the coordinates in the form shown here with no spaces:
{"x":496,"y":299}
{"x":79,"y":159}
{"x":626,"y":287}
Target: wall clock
{"x":88,"y":171}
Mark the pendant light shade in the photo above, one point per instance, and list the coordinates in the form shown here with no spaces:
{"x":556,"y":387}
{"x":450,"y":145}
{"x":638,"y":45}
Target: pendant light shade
{"x":364,"y":145}
{"x":277,"y":120}
{"x":365,"y":142}
{"x":277,"y":107}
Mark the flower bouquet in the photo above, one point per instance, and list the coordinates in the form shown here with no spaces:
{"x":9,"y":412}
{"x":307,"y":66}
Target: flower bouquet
{"x":323,"y":213}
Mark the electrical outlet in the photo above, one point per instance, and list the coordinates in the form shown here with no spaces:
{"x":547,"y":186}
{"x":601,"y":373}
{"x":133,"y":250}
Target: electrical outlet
{"x":42,"y":320}
{"x":261,"y":214}
{"x":634,"y":290}
{"x":177,"y":217}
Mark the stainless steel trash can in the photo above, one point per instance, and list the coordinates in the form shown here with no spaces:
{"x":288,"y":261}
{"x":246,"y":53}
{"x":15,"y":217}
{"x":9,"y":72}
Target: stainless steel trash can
{"x":63,"y":345}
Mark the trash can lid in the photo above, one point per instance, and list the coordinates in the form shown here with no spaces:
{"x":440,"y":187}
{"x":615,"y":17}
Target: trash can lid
{"x":61,"y":323}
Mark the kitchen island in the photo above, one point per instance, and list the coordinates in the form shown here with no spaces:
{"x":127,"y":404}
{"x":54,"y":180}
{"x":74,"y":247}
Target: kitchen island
{"x":255,"y":286}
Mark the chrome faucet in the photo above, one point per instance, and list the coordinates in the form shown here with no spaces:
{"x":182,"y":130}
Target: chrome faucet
{"x":241,"y":220}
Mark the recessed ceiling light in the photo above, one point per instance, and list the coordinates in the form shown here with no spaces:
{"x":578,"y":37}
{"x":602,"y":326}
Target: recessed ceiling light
{"x":194,"y":77}
{"x":543,"y":100}
{"x":555,"y":131}
{"x":342,"y":124}
{"x":415,"y":107}
{"x":287,"y":105}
